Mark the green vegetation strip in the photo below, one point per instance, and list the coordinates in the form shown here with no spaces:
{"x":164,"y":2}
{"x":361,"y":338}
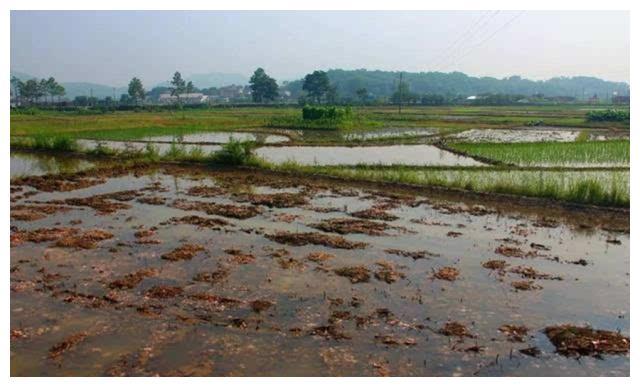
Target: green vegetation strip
{"x":606,"y":188}
{"x":614,"y":152}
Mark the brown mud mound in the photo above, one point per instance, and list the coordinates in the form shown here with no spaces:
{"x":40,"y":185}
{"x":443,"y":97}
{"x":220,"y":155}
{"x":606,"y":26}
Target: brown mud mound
{"x":411,"y":254}
{"x":100,"y":204}
{"x":161,"y":291}
{"x":213,"y":277}
{"x":86,"y":240}
{"x":314,"y":238}
{"x":278,"y":200}
{"x":352,"y":226}
{"x":65,"y":345}
{"x":226,"y":210}
{"x":319,"y":256}
{"x":355,"y":274}
{"x":571,"y":340}
{"x":184,"y":252}
{"x":260,"y":305}
{"x":531,"y":273}
{"x":239,"y":257}
{"x":392,"y":340}
{"x":58,"y":183}
{"x":515,"y":252}
{"x":374,"y":213}
{"x":515,"y":333}
{"x":525,"y":285}
{"x":446,"y":273}
{"x":30,"y":213}
{"x":41,"y":235}
{"x":206,"y":191}
{"x":387,"y":273}
{"x":153,"y":200}
{"x":455,"y":328}
{"x":495,"y":264}
{"x":195,"y":220}
{"x":132,"y":280}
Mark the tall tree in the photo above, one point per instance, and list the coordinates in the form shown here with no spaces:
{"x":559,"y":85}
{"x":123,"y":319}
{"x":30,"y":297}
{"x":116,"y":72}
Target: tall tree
{"x":316,"y":85}
{"x":43,"y":89}
{"x":59,"y":91}
{"x":190,"y":88}
{"x":17,"y":85}
{"x":362,"y":94}
{"x":136,"y":90}
{"x":178,"y":85}
{"x":263,"y":87}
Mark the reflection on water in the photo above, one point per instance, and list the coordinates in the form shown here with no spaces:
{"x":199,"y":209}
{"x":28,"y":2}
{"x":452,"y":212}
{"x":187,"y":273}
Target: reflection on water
{"x":220,"y":138}
{"x":340,"y":155}
{"x":161,"y":147}
{"x":27,"y":164}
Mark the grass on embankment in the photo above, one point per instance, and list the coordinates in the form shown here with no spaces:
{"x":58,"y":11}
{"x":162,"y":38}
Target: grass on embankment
{"x":605,"y":188}
{"x":614,"y":152}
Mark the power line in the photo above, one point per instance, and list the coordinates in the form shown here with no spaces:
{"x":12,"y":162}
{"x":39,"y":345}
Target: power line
{"x":458,"y":40}
{"x":478,"y":31}
{"x":502,"y":27}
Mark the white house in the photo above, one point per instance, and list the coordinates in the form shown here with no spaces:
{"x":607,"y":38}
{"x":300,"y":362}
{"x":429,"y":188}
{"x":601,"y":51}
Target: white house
{"x":186,"y":98}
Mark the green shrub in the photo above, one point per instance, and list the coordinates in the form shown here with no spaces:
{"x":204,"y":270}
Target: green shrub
{"x":608,"y":115}
{"x":326,"y":113}
{"x":234,"y":153}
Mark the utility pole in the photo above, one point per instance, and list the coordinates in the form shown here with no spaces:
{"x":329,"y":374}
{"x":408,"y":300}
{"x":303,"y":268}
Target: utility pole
{"x":400,"y":95}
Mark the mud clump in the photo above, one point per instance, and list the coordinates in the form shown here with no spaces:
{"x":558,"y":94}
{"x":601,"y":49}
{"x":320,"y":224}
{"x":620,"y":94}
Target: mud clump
{"x":546,"y":223}
{"x":411,"y":254}
{"x":514,"y":252}
{"x":152,"y":200}
{"x":515,"y":333}
{"x":132,"y":280}
{"x":278,"y":200}
{"x":571,"y":340}
{"x":195,"y":220}
{"x":352,"y":226}
{"x":259,"y":306}
{"x":495,"y":264}
{"x":213,"y":277}
{"x":41,"y":235}
{"x":65,"y":345}
{"x":86,"y":240}
{"x":59,"y":183}
{"x":392,"y":340}
{"x":161,"y":291}
{"x":29,"y":213}
{"x":314,"y":238}
{"x":206,"y":191}
{"x":453,"y":234}
{"x":319,"y":256}
{"x":100,"y":204}
{"x":288,"y":263}
{"x":184,"y":252}
{"x":531,"y":273}
{"x":446,"y":273}
{"x":226,"y":210}
{"x":525,"y":285}
{"x":356,"y":274}
{"x":374,"y":213}
{"x":239,"y":257}
{"x":387,"y":273}
{"x":329,"y":332}
{"x":455,"y":329}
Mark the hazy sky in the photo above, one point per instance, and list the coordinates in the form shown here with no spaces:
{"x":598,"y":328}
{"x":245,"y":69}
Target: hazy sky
{"x":111,"y":47}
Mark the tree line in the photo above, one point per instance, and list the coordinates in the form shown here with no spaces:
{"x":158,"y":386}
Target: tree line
{"x":35,"y":91}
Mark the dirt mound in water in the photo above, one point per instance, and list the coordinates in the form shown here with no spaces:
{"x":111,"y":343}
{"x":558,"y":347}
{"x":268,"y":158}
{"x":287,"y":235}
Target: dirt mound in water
{"x":41,"y":235}
{"x":101,"y":204}
{"x":355,"y":274}
{"x":161,"y":291}
{"x":386,"y":272}
{"x":571,"y":340}
{"x":514,"y":332}
{"x":278,"y":200}
{"x":212,"y":223}
{"x":314,"y":238}
{"x":226,"y":210}
{"x":374,"y":213}
{"x":131,"y":280}
{"x":352,"y":226}
{"x":86,"y":240}
{"x":455,"y":328}
{"x":184,"y":252}
{"x":446,"y":273}
{"x":30,"y":213}
{"x":411,"y":254}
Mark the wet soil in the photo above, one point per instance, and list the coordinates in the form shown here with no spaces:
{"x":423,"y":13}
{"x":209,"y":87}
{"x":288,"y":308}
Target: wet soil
{"x":250,"y":282}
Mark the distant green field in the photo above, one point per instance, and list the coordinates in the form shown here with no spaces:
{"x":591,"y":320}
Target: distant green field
{"x":614,"y":152}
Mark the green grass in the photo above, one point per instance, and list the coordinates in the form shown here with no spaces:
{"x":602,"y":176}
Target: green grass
{"x":614,"y":152}
{"x":606,"y":188}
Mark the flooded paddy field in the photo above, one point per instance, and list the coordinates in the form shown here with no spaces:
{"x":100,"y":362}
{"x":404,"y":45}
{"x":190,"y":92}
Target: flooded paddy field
{"x":26,"y":164}
{"x":218,"y":138}
{"x":534,"y":135}
{"x":172,"y":270}
{"x":343,"y":155}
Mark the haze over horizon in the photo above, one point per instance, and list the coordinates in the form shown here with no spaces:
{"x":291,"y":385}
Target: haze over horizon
{"x":110,"y":47}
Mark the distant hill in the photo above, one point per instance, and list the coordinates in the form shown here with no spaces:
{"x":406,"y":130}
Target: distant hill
{"x":202,"y":81}
{"x":383,"y":84}
{"x":74,"y":89}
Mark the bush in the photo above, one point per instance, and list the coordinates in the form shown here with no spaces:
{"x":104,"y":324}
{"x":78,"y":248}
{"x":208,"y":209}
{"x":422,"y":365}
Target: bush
{"x":326,"y":113}
{"x":57,"y":143}
{"x":608,"y":115}
{"x":234,"y":153}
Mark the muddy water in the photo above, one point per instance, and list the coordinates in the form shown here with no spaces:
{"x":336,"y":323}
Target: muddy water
{"x":339,"y":155}
{"x":390,"y":133}
{"x":509,"y":135}
{"x":66,"y":319}
{"x":219,"y":138}
{"x":27,"y":164}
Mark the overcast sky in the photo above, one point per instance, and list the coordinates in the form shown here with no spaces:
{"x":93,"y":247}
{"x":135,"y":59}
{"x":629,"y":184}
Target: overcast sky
{"x":111,"y":47}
